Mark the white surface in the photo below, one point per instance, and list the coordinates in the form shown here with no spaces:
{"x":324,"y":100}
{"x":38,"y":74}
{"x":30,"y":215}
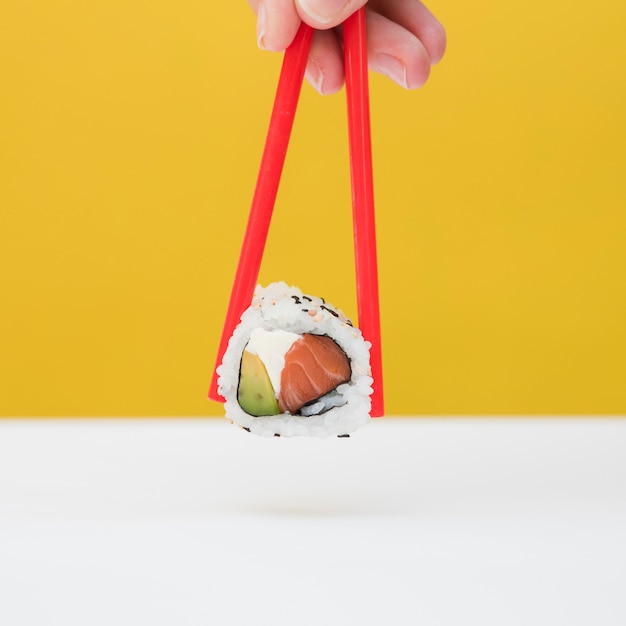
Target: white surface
{"x":447,"y":521}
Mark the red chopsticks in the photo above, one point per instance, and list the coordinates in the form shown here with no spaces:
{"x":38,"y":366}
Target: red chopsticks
{"x":281,"y":123}
{"x":357,"y":91}
{"x":272,"y":161}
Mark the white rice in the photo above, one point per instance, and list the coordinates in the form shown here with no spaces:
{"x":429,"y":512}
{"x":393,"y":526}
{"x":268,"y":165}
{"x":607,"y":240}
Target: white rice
{"x":279,"y":306}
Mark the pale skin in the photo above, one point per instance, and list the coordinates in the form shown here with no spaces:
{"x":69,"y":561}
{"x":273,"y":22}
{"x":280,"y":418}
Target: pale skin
{"x":404,"y":38}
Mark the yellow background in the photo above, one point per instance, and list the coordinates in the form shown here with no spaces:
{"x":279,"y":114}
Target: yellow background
{"x":130,"y":137}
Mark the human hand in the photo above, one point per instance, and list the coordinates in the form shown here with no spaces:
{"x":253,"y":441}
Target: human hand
{"x":404,"y":38}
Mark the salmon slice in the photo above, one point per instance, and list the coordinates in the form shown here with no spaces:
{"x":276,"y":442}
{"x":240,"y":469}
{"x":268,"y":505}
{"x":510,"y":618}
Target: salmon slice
{"x":314,"y":365}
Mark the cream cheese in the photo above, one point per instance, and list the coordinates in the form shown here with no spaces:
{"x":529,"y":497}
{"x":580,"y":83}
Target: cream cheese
{"x":271,"y":346}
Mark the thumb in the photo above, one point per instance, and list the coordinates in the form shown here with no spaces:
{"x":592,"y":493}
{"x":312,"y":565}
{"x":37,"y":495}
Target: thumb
{"x":324,"y":14}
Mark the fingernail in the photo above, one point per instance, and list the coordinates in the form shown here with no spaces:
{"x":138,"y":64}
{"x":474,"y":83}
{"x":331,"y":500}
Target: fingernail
{"x":325,"y":13}
{"x":392,"y":68}
{"x":315,"y":76}
{"x":261,"y":25}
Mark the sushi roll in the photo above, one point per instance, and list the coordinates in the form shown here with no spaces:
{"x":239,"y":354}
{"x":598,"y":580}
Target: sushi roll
{"x":295,"y":365}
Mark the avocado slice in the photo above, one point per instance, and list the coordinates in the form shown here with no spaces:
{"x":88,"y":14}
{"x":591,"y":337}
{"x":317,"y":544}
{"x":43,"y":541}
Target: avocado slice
{"x":255,"y":393}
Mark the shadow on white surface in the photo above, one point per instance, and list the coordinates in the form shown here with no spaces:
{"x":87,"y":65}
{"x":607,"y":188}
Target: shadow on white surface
{"x":420,"y":467}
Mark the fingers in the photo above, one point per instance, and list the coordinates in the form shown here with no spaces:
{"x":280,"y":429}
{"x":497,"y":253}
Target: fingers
{"x":325,"y":67}
{"x":394,"y":48}
{"x":417,"y":19}
{"x":404,"y":38}
{"x":277,"y":23}
{"x":324,"y":14}
{"x":396,"y":52}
